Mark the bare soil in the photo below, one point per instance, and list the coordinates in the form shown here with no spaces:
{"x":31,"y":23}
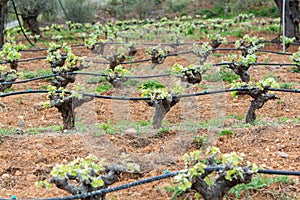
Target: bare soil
{"x":27,"y":158}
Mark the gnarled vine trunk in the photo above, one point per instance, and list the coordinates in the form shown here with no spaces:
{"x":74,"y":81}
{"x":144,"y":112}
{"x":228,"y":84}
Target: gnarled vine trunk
{"x":221,"y":186}
{"x":66,"y":107}
{"x":31,"y":23}
{"x":2,"y":20}
{"x":257,"y":104}
{"x":292,"y":17}
{"x":162,"y":107}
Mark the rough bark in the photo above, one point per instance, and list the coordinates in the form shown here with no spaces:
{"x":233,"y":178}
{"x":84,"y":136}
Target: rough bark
{"x":260,"y":97}
{"x":2,"y":20}
{"x":30,"y":22}
{"x":257,"y":104}
{"x":162,"y":107}
{"x":241,"y":70}
{"x":221,"y":186}
{"x":193,"y":76}
{"x":292,"y":17}
{"x":66,"y":107}
{"x":4,"y":78}
{"x":83,"y":187}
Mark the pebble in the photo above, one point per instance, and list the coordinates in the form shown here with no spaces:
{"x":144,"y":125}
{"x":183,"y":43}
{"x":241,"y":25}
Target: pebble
{"x":5,"y":176}
{"x":282,"y":154}
{"x":130,"y":131}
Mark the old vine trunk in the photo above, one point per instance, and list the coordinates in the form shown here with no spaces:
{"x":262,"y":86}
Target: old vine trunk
{"x":292,"y":17}
{"x":2,"y":21}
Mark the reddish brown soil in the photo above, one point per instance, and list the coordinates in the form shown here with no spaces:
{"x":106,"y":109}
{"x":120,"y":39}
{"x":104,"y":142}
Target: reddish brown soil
{"x":28,"y":158}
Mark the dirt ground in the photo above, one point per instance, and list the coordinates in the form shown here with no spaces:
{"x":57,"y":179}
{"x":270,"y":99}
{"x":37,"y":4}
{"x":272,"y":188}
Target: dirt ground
{"x":26,"y":158}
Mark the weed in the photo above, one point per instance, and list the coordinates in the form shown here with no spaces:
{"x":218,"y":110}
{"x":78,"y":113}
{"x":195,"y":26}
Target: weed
{"x":37,"y":130}
{"x":108,"y":128}
{"x":295,"y":70}
{"x":223,"y":75}
{"x":286,"y":85}
{"x":226,"y":132}
{"x":163,"y":130}
{"x":103,"y":87}
{"x":145,"y":123}
{"x":256,"y":184}
{"x":8,"y":131}
{"x":272,"y":75}
{"x":199,"y":141}
{"x":37,"y":73}
{"x":131,"y":82}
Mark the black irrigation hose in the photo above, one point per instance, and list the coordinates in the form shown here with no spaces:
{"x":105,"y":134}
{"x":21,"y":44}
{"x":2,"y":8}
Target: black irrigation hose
{"x":129,"y":77}
{"x":28,"y":80}
{"x":15,"y":9}
{"x":156,"y":178}
{"x":26,"y":60}
{"x":205,"y":92}
{"x":257,"y":63}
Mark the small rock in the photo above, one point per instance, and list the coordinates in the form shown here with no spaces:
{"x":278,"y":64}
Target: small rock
{"x":19,"y":131}
{"x":18,"y":173}
{"x":282,"y":154}
{"x":5,"y":176}
{"x":130,"y":131}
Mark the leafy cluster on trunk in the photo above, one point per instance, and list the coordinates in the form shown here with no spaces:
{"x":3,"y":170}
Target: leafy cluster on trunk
{"x":198,"y":176}
{"x":259,"y":92}
{"x":160,"y":98}
{"x":296,"y":58}
{"x":6,"y":76}
{"x":82,"y":176}
{"x":202,"y":52}
{"x":63,"y":62}
{"x":158,"y":55}
{"x":191,"y":73}
{"x":11,"y":53}
{"x":240,"y":65}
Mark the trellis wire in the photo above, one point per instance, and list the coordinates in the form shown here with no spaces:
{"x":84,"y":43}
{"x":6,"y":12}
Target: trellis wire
{"x":204,"y":92}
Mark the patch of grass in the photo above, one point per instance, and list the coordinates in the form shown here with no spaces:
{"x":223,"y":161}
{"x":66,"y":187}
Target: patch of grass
{"x":218,"y":55}
{"x":226,"y":132}
{"x":199,"y":141}
{"x":8,"y":131}
{"x":237,"y":32}
{"x":295,"y":70}
{"x":103,"y":87}
{"x":273,"y":29}
{"x":131,"y":82}
{"x":223,"y":75}
{"x":37,"y":130}
{"x":108,"y":128}
{"x":257,"y":183}
{"x":272,"y":75}
{"x":163,"y":130}
{"x":37,"y":73}
{"x":145,"y":123}
{"x":236,"y":116}
{"x":286,"y":85}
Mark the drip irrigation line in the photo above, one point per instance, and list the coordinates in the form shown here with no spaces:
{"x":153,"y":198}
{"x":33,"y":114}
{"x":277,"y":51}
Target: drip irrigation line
{"x":296,"y":90}
{"x":129,"y":77}
{"x":274,"y":52}
{"x":157,"y":178}
{"x":32,"y":59}
{"x":136,"y":61}
{"x":256,"y":63}
{"x":27,"y":80}
{"x":205,"y":92}
{"x":15,"y":9}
